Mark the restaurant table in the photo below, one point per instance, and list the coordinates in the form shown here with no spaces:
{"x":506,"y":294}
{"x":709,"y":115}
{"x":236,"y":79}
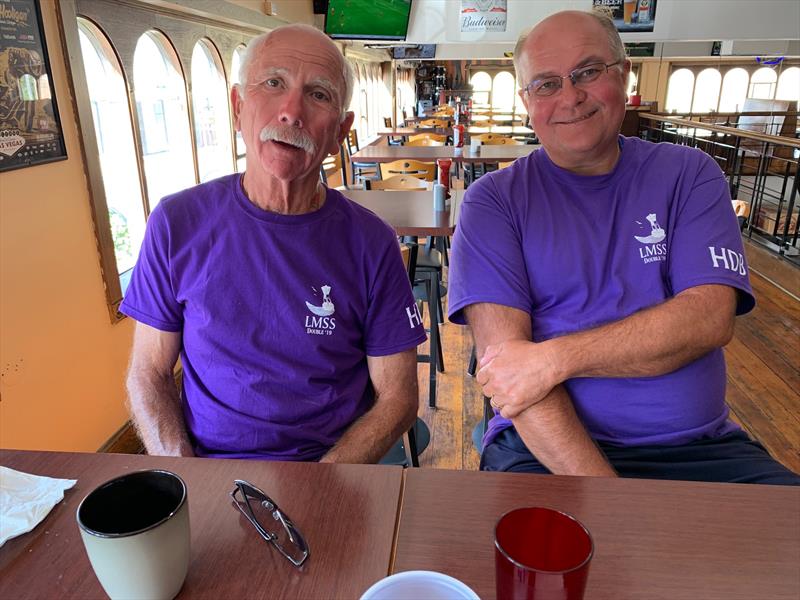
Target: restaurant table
{"x":405,"y":131}
{"x":652,"y":539}
{"x":410,"y":212}
{"x":347,"y":514}
{"x":488,"y":153}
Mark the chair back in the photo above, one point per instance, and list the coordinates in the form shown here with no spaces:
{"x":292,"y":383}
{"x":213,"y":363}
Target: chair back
{"x":332,"y":164}
{"x":494,"y":139}
{"x":425,"y":141}
{"x":352,"y":142}
{"x":431,"y":136}
{"x":434,"y":123}
{"x":414,"y":168}
{"x":387,"y":122}
{"x":397,"y":182}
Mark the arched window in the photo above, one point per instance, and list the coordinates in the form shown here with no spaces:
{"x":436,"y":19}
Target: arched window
{"x":163,"y":118}
{"x":212,"y":132}
{"x":734,"y":90}
{"x":762,"y":84}
{"x":114,"y":134}
{"x":241,"y":151}
{"x":482,"y":86}
{"x":679,"y":91}
{"x":789,"y":85}
{"x":706,"y":91}
{"x":503,"y":91}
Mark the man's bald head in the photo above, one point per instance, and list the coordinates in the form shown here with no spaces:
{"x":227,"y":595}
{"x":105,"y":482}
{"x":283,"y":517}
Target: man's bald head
{"x":563,"y":21}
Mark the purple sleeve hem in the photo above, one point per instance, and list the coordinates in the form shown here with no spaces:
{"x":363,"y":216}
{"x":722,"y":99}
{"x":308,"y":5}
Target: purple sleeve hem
{"x":456,"y":311}
{"x":397,"y":348}
{"x":745,"y":301}
{"x":148,"y":320}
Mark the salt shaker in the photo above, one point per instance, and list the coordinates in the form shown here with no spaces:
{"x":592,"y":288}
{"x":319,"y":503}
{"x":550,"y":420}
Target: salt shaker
{"x":438,"y":197}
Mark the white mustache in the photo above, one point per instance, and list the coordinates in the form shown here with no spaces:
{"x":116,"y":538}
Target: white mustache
{"x":288,"y":135}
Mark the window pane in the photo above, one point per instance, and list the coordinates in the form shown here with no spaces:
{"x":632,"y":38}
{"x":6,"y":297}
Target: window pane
{"x":481,"y":84}
{"x":503,"y":91}
{"x":163,"y":119}
{"x":679,"y":91}
{"x":212,"y":131}
{"x":113,"y":127}
{"x":734,"y":90}
{"x":762,"y":84}
{"x":633,"y":81}
{"x":789,"y":85}
{"x":706,"y":91}
{"x":241,"y":150}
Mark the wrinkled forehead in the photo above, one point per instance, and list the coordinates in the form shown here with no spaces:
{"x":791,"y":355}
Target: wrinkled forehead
{"x":300,"y":54}
{"x":554,"y":48}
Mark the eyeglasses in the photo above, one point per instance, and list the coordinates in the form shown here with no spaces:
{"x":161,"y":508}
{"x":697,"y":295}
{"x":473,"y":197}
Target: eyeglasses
{"x":270,"y":522}
{"x":579,"y":78}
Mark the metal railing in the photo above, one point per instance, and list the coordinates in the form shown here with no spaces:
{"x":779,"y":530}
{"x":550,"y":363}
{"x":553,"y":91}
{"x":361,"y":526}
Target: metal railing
{"x":761,"y":169}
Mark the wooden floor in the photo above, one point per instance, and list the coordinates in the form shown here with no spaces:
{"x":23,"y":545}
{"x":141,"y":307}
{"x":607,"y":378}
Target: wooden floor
{"x":763,"y":374}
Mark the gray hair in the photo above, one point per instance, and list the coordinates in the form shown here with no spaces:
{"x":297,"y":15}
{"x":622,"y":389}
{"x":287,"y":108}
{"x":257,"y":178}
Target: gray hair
{"x":255,"y":45}
{"x":614,"y":40}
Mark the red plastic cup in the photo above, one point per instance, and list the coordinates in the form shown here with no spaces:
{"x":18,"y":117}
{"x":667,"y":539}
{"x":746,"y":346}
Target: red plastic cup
{"x":635,"y":99}
{"x":541,"y":554}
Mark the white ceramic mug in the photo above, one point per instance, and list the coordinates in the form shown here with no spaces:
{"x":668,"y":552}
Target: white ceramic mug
{"x":136,"y":532}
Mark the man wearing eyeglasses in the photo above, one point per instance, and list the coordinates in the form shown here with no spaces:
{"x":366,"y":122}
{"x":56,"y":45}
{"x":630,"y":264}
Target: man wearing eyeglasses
{"x":289,"y":305}
{"x":600,"y":276}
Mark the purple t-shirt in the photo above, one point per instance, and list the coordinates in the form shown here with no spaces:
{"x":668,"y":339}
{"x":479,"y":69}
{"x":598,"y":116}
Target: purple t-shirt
{"x":577,"y":252}
{"x":278,"y":315}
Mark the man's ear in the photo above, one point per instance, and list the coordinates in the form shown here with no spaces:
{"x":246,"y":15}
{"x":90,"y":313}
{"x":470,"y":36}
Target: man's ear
{"x":236,"y":104}
{"x":344,"y":127}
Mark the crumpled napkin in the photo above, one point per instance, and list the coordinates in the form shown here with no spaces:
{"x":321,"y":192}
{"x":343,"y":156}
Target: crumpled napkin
{"x":25,"y":500}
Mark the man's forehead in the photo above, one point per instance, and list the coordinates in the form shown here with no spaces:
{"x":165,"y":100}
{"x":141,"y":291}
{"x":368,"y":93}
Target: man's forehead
{"x":547,"y":53}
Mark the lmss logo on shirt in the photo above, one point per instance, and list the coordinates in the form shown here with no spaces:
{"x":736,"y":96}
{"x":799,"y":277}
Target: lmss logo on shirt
{"x":322,"y":321}
{"x":654,"y":248}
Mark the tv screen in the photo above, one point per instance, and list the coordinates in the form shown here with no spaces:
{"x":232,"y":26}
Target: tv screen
{"x":421,"y":51}
{"x":368,"y":19}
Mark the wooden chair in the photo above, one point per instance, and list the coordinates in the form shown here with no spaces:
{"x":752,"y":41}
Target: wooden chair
{"x":359,"y":170}
{"x":387,"y":122}
{"x":495,"y":139}
{"x":334,"y":163}
{"x":424,"y":141}
{"x":435,"y":123}
{"x":431,"y":136}
{"x":397,"y":182}
{"x":415,"y":168}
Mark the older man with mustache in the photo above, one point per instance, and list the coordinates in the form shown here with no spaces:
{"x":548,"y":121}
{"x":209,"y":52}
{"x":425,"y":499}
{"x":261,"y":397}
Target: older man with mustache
{"x":601,"y":276}
{"x":289,"y":305}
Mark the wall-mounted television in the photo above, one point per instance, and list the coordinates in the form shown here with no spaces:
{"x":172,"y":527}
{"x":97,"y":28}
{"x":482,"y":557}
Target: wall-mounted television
{"x":367,"y":19}
{"x":407,"y":52}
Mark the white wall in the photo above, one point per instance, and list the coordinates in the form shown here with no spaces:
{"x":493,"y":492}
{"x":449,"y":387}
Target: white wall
{"x":437,"y":21}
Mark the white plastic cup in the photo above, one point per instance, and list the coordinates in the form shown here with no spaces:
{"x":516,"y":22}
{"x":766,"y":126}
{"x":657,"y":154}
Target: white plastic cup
{"x":439,"y":194}
{"x":419,"y":584}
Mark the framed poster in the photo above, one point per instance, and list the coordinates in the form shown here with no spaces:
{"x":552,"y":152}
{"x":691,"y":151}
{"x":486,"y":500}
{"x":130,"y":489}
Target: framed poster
{"x":628,"y":15}
{"x":30,"y":129}
{"x":483,"y":15}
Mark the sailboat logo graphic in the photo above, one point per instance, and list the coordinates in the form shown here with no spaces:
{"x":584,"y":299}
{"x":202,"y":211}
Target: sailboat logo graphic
{"x":656,"y":232}
{"x":327,"y":308}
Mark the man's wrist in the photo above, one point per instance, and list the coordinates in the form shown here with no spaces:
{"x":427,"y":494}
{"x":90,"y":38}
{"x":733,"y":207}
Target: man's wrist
{"x":564,"y":357}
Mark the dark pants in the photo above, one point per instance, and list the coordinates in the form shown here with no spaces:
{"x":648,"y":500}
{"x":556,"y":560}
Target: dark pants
{"x":732,"y":458}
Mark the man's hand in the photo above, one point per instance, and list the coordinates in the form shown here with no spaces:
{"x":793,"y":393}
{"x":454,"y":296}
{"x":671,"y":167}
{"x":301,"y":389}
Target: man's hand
{"x":517,"y":374}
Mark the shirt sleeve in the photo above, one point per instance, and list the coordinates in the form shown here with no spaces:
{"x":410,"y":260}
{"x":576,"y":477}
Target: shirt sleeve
{"x":393,"y":323}
{"x":487,"y":263}
{"x":151,"y":297}
{"x":706,"y":245}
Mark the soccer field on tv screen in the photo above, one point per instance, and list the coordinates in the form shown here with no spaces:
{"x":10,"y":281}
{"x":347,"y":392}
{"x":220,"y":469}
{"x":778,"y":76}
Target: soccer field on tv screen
{"x":378,"y":18}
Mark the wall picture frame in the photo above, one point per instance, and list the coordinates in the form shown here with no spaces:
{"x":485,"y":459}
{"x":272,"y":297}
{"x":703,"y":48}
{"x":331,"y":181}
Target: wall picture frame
{"x":30,"y":126}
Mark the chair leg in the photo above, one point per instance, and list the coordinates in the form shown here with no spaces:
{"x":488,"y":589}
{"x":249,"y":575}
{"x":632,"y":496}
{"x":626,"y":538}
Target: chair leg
{"x":434,"y":343}
{"x":473,"y":362}
{"x":410,"y":445}
{"x":436,"y":310}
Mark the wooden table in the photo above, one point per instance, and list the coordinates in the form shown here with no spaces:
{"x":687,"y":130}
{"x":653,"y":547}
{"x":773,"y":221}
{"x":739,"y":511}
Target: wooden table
{"x":653,"y":539}
{"x":410,"y":212}
{"x":505,"y":129}
{"x":500,"y":153}
{"x":347,"y":514}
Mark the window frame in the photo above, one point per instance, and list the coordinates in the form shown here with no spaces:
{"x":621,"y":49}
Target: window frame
{"x":123,"y":24}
